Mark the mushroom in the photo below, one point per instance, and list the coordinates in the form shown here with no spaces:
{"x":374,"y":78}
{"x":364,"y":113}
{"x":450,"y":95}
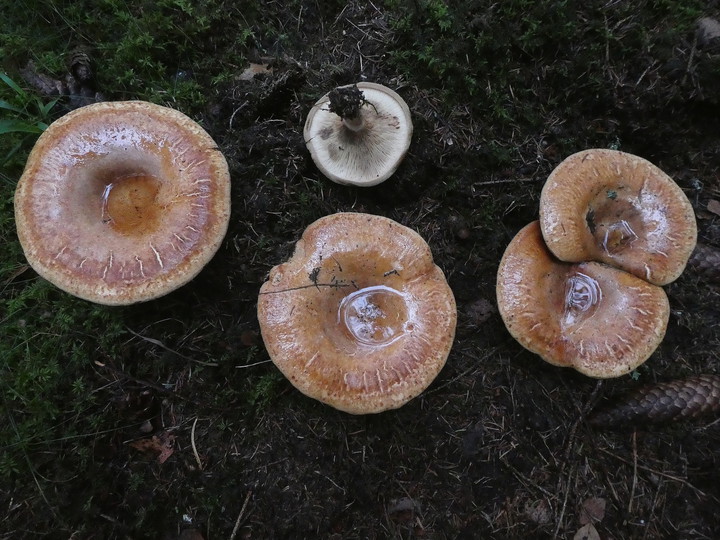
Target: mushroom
{"x":620,"y":209}
{"x":597,"y":319}
{"x":360,"y":317}
{"x":358,"y":134}
{"x":121,"y":202}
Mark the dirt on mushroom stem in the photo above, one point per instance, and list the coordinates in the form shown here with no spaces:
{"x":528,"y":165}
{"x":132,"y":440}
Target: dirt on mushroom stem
{"x":346,"y":101}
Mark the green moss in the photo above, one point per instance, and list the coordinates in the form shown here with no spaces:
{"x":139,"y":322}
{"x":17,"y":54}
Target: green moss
{"x":498,"y":58}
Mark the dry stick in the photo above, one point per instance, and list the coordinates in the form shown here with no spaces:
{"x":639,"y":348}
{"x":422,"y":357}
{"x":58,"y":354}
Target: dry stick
{"x":689,"y":63}
{"x":570,"y":443}
{"x":564,"y":504}
{"x":634,"y":482}
{"x":526,"y":481}
{"x":240,"y":515}
{"x":27,"y":460}
{"x":652,"y":510}
{"x":506,"y":181}
{"x":573,"y":430}
{"x":192,"y":443}
{"x":337,"y":285}
{"x":664,"y":475}
{"x":157,"y":387}
{"x":165,"y":347}
{"x":608,"y":483}
{"x":474,"y":366}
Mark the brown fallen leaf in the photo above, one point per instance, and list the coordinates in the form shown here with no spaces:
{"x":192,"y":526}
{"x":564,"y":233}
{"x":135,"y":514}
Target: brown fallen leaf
{"x":539,"y":512}
{"x":587,"y":532}
{"x":191,"y":534}
{"x":403,"y":509}
{"x":254,"y":69}
{"x":592,"y":511}
{"x":158,"y":446}
{"x":714,"y":207}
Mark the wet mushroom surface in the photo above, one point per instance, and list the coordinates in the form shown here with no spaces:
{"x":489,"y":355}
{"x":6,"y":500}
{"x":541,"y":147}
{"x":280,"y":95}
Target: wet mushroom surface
{"x":360,"y":317}
{"x":93,"y":397}
{"x":620,"y":209}
{"x":122,"y":202}
{"x":597,"y":319}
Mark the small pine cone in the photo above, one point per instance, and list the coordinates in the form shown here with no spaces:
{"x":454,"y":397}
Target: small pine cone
{"x":663,"y":402}
{"x":705,"y":260}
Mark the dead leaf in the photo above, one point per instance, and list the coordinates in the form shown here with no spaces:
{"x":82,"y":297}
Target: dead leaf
{"x":158,"y":446}
{"x":707,"y":31}
{"x":191,"y":534}
{"x":592,"y":511}
{"x":481,"y":310}
{"x":254,"y":69}
{"x":714,"y":207}
{"x":539,"y":512}
{"x":403,"y":509}
{"x":587,"y":532}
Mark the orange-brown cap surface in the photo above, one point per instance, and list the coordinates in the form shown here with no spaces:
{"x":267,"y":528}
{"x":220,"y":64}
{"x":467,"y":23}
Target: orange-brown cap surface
{"x":600,"y":320}
{"x":359,"y":317}
{"x":367,"y":153}
{"x":121,"y":202}
{"x":620,"y":209}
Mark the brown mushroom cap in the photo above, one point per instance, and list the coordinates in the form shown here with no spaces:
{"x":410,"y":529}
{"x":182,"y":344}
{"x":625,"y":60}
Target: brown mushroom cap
{"x":370,"y":152}
{"x":620,"y":209}
{"x":597,"y":319}
{"x":359,"y":317}
{"x":121,"y":202}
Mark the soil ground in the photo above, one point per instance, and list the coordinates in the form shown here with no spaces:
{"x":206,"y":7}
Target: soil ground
{"x":498,"y":446}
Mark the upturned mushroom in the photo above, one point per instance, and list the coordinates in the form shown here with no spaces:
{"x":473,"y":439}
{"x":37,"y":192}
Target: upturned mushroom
{"x":360,"y":317}
{"x":620,"y":209}
{"x":597,"y":319}
{"x":122,"y":202}
{"x":359,"y":134}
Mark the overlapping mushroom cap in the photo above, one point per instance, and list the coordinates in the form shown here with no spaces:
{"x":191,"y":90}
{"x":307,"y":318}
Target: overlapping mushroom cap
{"x":617,"y":208}
{"x":364,"y":149}
{"x":359,"y":317}
{"x":600,"y":320}
{"x":121,"y":202}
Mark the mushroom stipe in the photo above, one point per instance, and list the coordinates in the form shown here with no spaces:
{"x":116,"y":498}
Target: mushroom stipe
{"x":358,"y":134}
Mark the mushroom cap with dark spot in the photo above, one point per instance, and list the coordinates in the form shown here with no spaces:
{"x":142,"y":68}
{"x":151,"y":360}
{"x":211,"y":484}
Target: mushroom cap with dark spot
{"x":366,"y":156}
{"x":597,"y":319}
{"x":122,"y":202}
{"x":360,"y":317}
{"x":620,"y":209}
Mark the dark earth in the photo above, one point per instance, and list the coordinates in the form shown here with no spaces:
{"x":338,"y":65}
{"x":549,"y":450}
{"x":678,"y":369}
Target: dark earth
{"x":208,"y":440}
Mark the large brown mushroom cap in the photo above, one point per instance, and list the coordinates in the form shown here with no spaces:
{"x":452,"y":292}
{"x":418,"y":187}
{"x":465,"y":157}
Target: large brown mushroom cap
{"x":600,"y":320}
{"x":369,"y":152}
{"x":359,"y":317}
{"x":620,"y":209}
{"x":121,"y":202}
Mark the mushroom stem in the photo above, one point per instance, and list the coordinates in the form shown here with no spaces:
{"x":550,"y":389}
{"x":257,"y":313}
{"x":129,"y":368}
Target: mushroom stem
{"x":358,"y":134}
{"x":354,"y":124}
{"x":347,"y":102}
